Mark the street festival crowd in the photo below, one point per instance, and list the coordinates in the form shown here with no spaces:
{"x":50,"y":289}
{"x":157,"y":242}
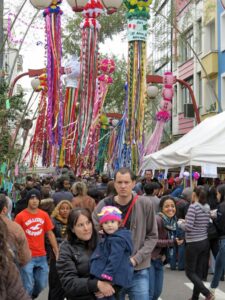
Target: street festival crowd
{"x":100,"y":238}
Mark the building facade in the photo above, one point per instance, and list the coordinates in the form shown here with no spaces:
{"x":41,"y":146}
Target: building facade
{"x":196,"y":57}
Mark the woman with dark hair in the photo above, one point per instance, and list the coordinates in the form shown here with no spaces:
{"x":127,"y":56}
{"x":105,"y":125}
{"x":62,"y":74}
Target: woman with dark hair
{"x":219,"y":221}
{"x":73,"y":265}
{"x":11,"y":286}
{"x":197,"y":244}
{"x":167,"y":226}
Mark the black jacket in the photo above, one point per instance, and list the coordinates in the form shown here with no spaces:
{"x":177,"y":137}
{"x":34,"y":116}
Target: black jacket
{"x":220,"y":219}
{"x":73,"y":268}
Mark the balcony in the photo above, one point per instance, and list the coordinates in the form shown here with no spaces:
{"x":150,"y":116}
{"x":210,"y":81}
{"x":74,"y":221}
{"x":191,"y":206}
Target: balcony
{"x":210,"y":63}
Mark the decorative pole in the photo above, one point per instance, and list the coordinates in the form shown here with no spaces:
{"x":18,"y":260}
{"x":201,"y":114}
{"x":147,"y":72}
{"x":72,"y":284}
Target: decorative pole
{"x":137,"y":17}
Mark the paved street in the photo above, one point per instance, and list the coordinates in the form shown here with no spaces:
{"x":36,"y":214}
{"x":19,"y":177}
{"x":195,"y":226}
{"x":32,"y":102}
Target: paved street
{"x":176,"y":287}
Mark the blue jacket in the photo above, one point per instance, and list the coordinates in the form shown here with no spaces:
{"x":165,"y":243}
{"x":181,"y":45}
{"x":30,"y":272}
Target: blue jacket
{"x":111,"y":259}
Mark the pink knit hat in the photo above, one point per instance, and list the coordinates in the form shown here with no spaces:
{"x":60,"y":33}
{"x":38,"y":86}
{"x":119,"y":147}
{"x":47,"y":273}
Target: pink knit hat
{"x":109,"y":213}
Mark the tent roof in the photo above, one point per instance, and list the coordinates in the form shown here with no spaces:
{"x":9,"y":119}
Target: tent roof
{"x":205,"y":143}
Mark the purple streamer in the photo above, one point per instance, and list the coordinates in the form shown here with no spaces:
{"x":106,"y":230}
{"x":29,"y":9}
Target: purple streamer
{"x":60,"y":120}
{"x":49,"y":78}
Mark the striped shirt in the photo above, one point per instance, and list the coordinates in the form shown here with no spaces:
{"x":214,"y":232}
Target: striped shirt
{"x":197,"y":222}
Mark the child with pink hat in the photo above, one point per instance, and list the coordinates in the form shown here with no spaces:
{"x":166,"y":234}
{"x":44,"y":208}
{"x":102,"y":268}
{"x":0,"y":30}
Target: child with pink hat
{"x":111,"y":259}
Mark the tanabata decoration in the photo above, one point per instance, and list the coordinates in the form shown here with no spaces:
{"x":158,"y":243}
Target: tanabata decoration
{"x":38,"y":144}
{"x":49,"y":126}
{"x":52,"y":16}
{"x":11,"y":36}
{"x":121,"y":152}
{"x":97,"y":145}
{"x":103,"y":143}
{"x":89,"y":66}
{"x":137,"y":16}
{"x":163,"y":115}
{"x":70,"y":112}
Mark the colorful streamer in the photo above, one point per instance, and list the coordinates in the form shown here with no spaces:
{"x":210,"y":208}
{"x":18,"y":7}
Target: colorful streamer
{"x":163,"y":115}
{"x":138,"y":14}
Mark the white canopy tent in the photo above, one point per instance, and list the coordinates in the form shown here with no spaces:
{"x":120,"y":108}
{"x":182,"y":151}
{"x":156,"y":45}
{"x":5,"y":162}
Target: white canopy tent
{"x":205,"y":143}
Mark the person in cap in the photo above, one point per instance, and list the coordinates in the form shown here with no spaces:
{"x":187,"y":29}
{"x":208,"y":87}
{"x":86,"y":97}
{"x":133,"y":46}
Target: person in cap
{"x":111,"y":259}
{"x":36,"y":223}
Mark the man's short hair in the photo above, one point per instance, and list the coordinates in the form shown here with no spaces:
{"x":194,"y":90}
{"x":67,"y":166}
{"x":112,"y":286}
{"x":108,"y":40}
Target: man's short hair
{"x":149,"y":170}
{"x":150,"y":187}
{"x":3,"y":202}
{"x":105,"y":178}
{"x":29,"y":178}
{"x":126,"y":171}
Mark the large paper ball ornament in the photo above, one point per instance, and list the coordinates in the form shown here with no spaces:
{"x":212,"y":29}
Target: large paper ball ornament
{"x":35,"y":83}
{"x":166,"y":105}
{"x":152,"y":91}
{"x":41,"y":4}
{"x":112,"y":3}
{"x":107,"y":66}
{"x":27,"y":124}
{"x":77,"y":5}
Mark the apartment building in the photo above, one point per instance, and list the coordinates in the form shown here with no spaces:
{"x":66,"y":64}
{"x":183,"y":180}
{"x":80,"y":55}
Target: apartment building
{"x":193,"y":57}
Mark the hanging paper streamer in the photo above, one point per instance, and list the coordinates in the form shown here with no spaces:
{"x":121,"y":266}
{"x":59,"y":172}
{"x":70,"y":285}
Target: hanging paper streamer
{"x":7,"y":104}
{"x":89,"y":66}
{"x":163,"y":115}
{"x":138,"y":14}
{"x":121,"y":156}
{"x":49,"y":127}
{"x":40,"y":135}
{"x":95,"y":136}
{"x":52,"y":16}
{"x":21,"y":21}
{"x":3,"y":168}
{"x":103,"y":144}
{"x":70,"y":112}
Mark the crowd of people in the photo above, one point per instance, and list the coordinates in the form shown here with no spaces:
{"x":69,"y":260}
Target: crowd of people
{"x":101,"y":238}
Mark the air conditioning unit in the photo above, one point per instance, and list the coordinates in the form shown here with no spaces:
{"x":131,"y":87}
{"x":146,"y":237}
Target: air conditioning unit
{"x":189,"y":110}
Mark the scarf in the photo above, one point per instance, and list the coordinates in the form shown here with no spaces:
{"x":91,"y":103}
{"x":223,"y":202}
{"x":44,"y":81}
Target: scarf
{"x":170,"y":224}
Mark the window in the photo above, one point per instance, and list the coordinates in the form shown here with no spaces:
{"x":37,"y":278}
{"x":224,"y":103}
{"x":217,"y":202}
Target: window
{"x":210,"y":100}
{"x":223,"y":91}
{"x":210,"y":42}
{"x":187,"y":41}
{"x":162,"y":37}
{"x":222,"y":31}
{"x":199,"y":89}
{"x":199,"y":36}
{"x":175,"y":101}
{"x":185,"y":95}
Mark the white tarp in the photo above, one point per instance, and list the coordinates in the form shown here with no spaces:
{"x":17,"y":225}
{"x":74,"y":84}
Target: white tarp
{"x":205,"y":143}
